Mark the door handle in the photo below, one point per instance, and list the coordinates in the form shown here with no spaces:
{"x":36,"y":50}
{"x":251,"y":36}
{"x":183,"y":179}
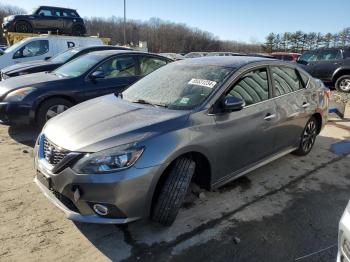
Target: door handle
{"x":269,"y":116}
{"x":305,"y":105}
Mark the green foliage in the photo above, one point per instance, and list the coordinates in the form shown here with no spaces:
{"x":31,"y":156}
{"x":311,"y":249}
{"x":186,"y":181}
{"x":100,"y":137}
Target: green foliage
{"x":299,"y":41}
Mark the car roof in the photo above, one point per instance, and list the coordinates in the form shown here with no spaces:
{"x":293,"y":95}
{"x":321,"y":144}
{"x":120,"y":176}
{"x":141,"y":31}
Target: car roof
{"x":224,"y":61}
{"x":56,"y":7}
{"x":102,"y":47}
{"x":106,"y":53}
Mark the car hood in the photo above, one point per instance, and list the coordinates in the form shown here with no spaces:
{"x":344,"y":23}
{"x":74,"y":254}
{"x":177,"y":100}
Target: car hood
{"x":26,"y":65}
{"x":107,"y":121}
{"x":35,"y":80}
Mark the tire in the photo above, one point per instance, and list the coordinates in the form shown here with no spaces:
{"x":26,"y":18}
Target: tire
{"x":77,"y":30}
{"x":23,"y":27}
{"x":308,"y":137}
{"x":50,"y":108}
{"x":343,"y":84}
{"x":173,"y":191}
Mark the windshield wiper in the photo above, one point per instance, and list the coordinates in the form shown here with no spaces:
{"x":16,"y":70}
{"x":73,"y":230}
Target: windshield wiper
{"x":144,"y":102}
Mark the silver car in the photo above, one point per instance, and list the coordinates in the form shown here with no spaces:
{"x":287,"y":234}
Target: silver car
{"x":122,"y":157}
{"x":344,"y":237}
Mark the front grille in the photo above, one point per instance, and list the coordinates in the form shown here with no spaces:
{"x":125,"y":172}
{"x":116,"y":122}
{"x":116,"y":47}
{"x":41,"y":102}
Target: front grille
{"x":65,"y":200}
{"x":52,"y":153}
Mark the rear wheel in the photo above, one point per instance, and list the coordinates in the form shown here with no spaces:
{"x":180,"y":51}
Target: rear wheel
{"x":343,"y":84}
{"x":77,"y":30}
{"x":51,"y":108}
{"x":308,"y":138}
{"x":173,"y":191}
{"x":23,"y":27}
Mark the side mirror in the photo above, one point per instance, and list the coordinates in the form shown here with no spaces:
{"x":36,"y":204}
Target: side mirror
{"x":97,"y":75}
{"x":303,"y":62}
{"x":232,"y":103}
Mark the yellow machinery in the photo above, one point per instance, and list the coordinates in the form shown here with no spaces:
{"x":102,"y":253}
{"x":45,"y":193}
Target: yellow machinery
{"x":13,"y":37}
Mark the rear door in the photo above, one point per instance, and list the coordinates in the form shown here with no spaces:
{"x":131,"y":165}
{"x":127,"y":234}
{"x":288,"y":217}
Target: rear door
{"x":119,"y":73}
{"x":246,"y":137}
{"x":294,"y":105}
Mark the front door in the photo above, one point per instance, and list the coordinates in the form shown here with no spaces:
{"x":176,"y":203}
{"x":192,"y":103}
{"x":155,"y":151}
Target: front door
{"x":328,"y":61}
{"x":247,"y":136}
{"x":118,"y":73}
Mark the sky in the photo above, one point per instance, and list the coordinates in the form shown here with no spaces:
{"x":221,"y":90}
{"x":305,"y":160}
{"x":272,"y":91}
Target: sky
{"x":241,"y":20}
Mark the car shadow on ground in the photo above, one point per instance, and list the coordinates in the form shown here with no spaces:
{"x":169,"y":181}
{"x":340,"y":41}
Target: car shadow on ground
{"x":146,"y":241}
{"x":25,"y":135}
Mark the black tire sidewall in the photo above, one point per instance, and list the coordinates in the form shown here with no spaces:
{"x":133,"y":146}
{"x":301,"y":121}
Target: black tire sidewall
{"x":44,"y":107}
{"x":29,"y":27}
{"x":300,"y":151}
{"x":337,"y":83}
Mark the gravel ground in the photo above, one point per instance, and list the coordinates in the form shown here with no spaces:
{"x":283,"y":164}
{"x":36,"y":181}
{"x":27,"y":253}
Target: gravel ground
{"x":340,"y":97}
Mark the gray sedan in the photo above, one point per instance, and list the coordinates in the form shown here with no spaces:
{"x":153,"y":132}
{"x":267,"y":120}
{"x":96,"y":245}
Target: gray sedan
{"x":119,"y":158}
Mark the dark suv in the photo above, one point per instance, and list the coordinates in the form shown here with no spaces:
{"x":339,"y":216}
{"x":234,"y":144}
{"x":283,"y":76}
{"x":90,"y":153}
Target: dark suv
{"x":44,"y":19}
{"x":331,"y":65}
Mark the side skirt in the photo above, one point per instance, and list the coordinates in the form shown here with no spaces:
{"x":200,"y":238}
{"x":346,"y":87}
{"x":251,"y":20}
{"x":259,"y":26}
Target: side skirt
{"x":244,"y":171}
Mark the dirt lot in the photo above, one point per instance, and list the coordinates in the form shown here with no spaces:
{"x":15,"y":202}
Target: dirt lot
{"x":284,"y":211}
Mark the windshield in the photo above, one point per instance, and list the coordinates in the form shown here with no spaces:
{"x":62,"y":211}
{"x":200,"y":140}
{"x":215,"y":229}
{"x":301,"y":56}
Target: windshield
{"x":64,"y":56}
{"x":78,"y":66}
{"x":14,"y":47}
{"x":177,"y":86}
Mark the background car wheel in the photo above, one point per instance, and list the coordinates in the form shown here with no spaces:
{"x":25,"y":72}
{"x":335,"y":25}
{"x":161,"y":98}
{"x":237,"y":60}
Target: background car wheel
{"x":173,"y":191}
{"x":307,"y":138}
{"x":23,"y":27}
{"x":77,"y":30}
{"x":51,"y":108}
{"x":343,"y":84}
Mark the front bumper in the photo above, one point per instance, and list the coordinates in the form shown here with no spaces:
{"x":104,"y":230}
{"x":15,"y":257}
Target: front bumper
{"x":344,"y":237}
{"x":15,"y":113}
{"x":8,"y":26}
{"x":127,"y":193}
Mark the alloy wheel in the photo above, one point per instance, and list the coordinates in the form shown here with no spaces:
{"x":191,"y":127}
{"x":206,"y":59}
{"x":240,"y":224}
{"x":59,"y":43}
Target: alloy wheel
{"x":309,"y":136}
{"x":344,"y":85}
{"x":55,"y":110}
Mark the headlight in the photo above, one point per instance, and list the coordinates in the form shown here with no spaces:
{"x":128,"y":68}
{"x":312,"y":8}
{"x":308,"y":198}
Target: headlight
{"x":10,"y":18}
{"x":109,"y":160}
{"x":19,"y":94}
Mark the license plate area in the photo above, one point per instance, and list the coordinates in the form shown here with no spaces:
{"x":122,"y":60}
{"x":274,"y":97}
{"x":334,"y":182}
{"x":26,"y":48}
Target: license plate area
{"x":46,"y":181}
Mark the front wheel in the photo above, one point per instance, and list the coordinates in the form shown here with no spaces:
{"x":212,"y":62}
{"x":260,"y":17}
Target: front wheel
{"x":343,"y":84}
{"x":173,"y":191}
{"x":51,"y":108}
{"x":308,"y":138}
{"x":23,"y":27}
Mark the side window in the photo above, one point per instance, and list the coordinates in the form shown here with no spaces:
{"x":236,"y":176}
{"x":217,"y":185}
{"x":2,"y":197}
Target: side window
{"x":34,"y":48}
{"x":253,"y":87}
{"x":57,"y":13}
{"x":118,"y":67}
{"x":149,"y":64}
{"x":45,"y":12}
{"x":308,"y":56}
{"x":286,"y":80}
{"x":69,"y":13}
{"x":329,"y":55}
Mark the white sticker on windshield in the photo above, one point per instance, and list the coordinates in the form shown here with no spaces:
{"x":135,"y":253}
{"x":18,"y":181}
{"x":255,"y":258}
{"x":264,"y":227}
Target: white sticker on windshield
{"x":202,"y":82}
{"x":184,"y":100}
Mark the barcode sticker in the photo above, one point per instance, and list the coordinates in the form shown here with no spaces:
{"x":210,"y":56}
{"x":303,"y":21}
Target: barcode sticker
{"x":202,"y":82}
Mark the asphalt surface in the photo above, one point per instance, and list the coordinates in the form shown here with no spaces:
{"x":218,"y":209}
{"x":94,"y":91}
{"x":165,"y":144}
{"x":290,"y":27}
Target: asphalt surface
{"x":287,"y":210}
